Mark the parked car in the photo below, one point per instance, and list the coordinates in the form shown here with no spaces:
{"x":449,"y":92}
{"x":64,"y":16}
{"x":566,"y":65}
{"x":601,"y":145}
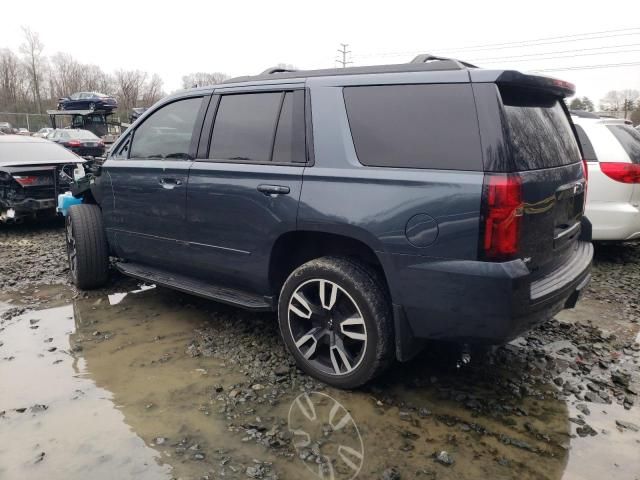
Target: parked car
{"x":43,"y":132}
{"x":371,"y":207}
{"x":81,"y":142}
{"x":87,"y":101}
{"x":30,"y":176}
{"x":24,"y":132}
{"x":612,"y":150}
{"x":5,"y":127}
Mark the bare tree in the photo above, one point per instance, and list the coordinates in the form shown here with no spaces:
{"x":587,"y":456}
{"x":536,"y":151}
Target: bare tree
{"x":11,"y":80}
{"x":31,"y":50}
{"x":611,"y":101}
{"x":629,"y":98}
{"x":152,"y":91}
{"x":129,"y":86}
{"x":202,"y":79}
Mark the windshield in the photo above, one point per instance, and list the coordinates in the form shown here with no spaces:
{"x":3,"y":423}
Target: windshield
{"x":629,"y":138}
{"x":539,"y":130}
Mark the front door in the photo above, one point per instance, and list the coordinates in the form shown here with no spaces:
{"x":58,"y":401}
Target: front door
{"x":244,"y":193}
{"x":149,"y":184}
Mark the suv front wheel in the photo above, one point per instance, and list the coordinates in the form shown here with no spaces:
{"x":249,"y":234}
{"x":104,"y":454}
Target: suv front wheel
{"x":87,"y":247}
{"x":335,"y":318}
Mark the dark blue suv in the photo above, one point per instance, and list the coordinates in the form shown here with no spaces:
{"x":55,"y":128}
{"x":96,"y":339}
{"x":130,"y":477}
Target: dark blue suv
{"x":371,"y":207}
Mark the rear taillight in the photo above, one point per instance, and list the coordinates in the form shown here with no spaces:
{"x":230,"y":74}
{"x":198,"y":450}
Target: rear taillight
{"x":621,"y":172}
{"x":25,"y":181}
{"x":585,"y":170}
{"x":502,"y":214}
{"x":73,"y":143}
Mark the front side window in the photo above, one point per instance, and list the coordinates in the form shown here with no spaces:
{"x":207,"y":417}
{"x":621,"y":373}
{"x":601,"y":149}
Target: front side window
{"x":122,"y":152}
{"x":629,"y":138}
{"x":414,"y":126}
{"x":260,"y":127}
{"x":167,"y":132}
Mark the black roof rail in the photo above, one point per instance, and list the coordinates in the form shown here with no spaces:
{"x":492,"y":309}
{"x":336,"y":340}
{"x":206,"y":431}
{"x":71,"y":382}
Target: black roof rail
{"x":272,"y":70}
{"x":583,"y":114}
{"x":427,"y":57}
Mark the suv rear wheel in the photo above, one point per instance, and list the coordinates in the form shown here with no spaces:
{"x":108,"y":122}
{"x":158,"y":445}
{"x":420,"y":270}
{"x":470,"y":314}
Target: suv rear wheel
{"x":335,"y":318}
{"x":87,"y":247}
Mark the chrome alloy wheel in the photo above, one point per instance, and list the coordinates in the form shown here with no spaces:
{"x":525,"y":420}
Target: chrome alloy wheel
{"x":327,"y":326}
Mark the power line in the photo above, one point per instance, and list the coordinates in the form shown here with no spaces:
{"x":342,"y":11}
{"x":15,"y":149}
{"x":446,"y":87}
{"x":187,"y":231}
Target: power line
{"x":558,"y":51}
{"x":568,"y":56}
{"x":521,"y":43}
{"x":344,"y":53}
{"x":588,"y":67}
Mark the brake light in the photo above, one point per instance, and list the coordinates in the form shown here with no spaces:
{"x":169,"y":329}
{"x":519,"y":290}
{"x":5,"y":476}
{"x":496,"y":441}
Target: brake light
{"x":502,"y":213}
{"x":25,"y":181}
{"x":73,"y":143}
{"x":621,"y":172}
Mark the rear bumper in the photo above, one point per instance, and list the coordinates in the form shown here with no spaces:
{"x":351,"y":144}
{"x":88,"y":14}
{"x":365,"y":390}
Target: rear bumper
{"x":481,"y":302}
{"x":26,"y":207}
{"x":614,"y":221}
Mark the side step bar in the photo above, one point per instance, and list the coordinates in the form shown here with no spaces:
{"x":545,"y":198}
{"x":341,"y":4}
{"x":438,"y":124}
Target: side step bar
{"x":186,"y":284}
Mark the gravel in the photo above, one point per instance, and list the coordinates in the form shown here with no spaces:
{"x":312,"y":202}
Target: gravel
{"x":578,"y":362}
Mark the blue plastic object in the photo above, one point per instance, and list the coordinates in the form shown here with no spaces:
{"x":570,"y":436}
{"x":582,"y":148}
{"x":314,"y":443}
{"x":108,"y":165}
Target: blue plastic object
{"x":65,"y":200}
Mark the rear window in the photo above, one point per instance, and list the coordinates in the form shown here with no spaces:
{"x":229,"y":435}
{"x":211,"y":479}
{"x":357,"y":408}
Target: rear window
{"x":587,"y":149}
{"x":539,"y":130}
{"x":629,"y":138}
{"x":415,"y":126}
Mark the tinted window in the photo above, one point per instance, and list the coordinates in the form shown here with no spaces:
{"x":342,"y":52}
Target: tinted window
{"x":587,"y":149}
{"x":123,"y":150}
{"x":629,"y":138}
{"x":415,"y":126}
{"x":539,"y":130}
{"x":244,"y":127}
{"x":289,"y":145}
{"x":166,"y":133}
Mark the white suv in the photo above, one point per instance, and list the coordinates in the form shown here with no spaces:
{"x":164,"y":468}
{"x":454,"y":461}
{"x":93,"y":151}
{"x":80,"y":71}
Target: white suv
{"x":612,"y":151}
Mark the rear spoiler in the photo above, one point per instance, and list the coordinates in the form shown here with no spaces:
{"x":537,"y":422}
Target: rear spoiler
{"x":554,"y":86}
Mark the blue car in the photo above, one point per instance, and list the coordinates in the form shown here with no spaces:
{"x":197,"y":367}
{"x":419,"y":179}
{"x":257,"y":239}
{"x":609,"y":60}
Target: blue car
{"x":87,"y":101}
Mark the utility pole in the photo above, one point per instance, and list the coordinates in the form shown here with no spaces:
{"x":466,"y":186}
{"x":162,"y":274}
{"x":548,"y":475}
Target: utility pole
{"x":344,"y":52}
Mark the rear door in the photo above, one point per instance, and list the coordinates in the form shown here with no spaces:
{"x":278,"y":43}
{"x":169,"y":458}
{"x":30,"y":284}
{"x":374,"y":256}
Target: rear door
{"x":244,"y":189}
{"x":545,"y":155}
{"x":149,"y":182}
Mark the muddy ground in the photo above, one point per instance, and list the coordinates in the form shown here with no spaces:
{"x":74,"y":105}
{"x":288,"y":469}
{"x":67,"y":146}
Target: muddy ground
{"x":134,"y":381}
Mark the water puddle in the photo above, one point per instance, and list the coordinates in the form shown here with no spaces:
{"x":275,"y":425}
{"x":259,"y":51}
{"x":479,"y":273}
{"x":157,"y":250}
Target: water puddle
{"x":155,"y":384}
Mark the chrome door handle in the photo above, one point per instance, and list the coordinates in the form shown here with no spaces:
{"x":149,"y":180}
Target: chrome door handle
{"x":169,"y":183}
{"x":274,"y":189}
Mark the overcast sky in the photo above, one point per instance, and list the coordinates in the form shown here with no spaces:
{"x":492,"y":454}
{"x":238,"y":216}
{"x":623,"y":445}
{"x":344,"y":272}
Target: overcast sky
{"x":245,"y":37}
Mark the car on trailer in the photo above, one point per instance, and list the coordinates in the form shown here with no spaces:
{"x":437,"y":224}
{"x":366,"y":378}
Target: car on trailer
{"x":87,"y":101}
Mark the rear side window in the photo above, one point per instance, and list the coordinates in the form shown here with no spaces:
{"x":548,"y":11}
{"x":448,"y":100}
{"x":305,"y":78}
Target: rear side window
{"x":415,"y":126}
{"x":167,"y":132}
{"x":539,"y":130}
{"x":260,"y":127}
{"x":629,"y":138}
{"x":587,"y":149}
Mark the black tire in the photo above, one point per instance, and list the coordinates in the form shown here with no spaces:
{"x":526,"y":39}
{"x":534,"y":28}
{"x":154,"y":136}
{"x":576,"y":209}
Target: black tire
{"x":87,"y":247}
{"x":358,"y":285}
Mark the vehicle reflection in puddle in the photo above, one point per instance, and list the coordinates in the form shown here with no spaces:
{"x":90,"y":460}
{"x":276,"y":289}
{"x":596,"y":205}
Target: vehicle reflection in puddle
{"x":131,"y":397}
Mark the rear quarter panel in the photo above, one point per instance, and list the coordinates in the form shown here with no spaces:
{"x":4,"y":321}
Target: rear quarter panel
{"x":375,"y":204}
